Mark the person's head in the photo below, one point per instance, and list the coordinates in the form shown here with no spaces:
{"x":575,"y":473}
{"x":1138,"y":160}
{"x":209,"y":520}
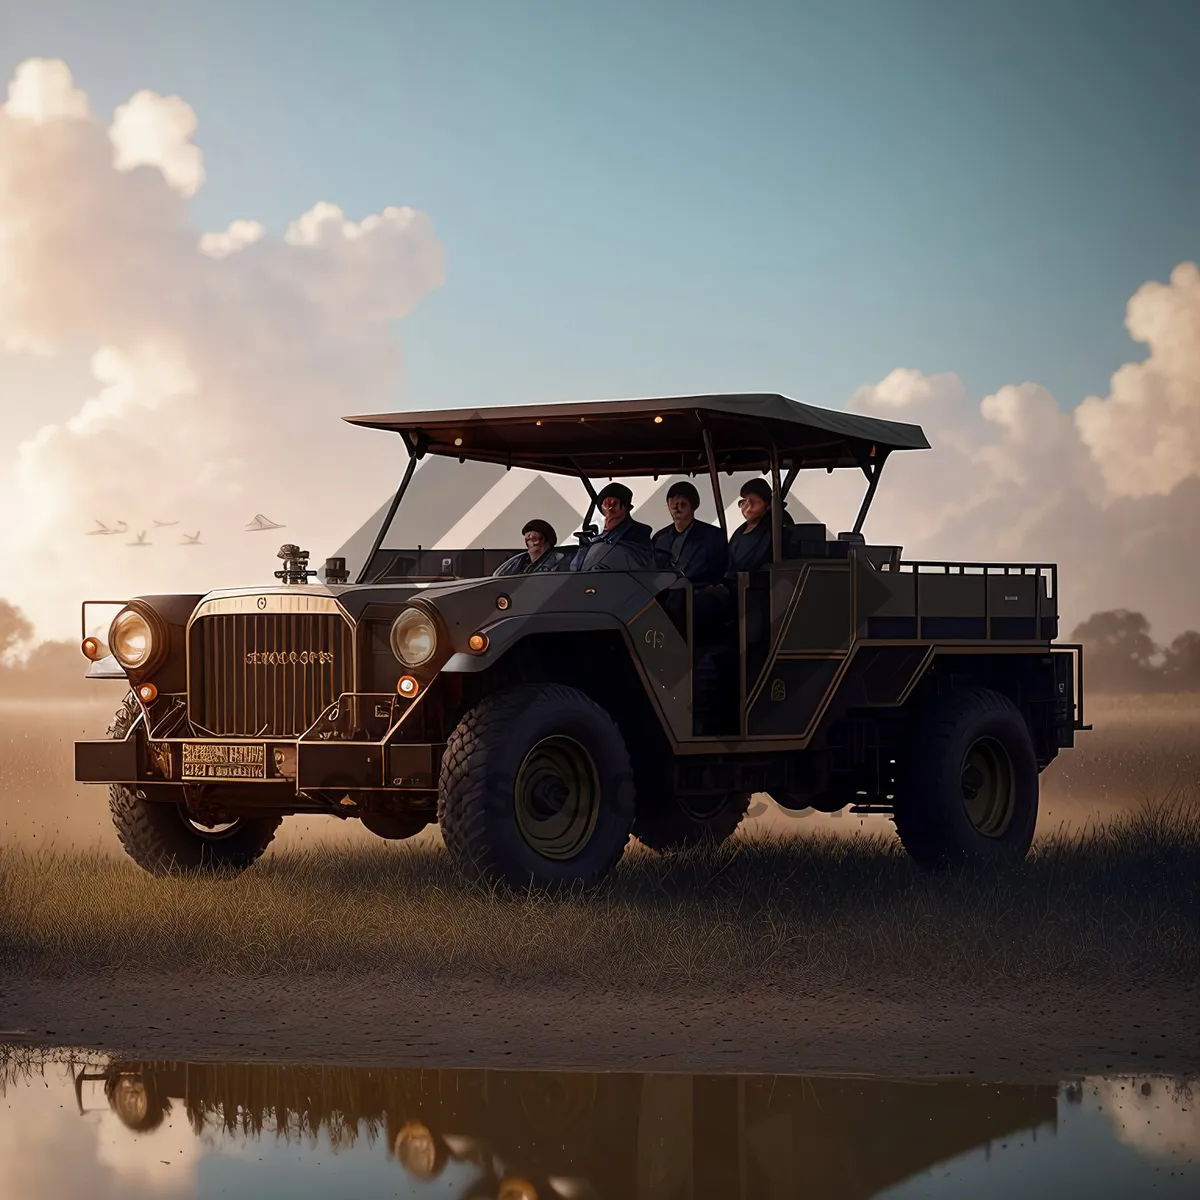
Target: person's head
{"x":616,"y":502}
{"x":755,"y":500}
{"x":682,"y":502}
{"x":539,"y":537}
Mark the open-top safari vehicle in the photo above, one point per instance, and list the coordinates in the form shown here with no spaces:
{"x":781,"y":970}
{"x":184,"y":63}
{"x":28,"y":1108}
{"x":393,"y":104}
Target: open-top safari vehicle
{"x":543,"y":718}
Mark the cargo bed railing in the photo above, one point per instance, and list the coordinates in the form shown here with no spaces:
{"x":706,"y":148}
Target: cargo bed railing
{"x":1045,"y":589}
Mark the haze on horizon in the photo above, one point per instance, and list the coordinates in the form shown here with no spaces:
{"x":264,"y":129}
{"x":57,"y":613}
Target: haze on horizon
{"x":197,"y":282}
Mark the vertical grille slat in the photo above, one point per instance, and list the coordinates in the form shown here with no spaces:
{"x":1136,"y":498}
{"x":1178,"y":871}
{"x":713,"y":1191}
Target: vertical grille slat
{"x":244,"y":678}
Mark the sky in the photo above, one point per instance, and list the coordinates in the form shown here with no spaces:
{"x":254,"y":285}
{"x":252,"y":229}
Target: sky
{"x":625,"y":199}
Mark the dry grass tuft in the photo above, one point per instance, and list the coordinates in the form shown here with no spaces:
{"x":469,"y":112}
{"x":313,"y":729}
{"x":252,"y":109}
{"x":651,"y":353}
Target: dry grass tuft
{"x":1122,"y":901}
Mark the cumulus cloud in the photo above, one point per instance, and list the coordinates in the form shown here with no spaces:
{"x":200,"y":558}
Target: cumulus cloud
{"x":222,"y":361}
{"x":156,"y":131}
{"x":1110,"y":491}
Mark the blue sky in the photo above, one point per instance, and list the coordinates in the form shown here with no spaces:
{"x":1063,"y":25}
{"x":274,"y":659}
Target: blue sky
{"x":660,"y":197}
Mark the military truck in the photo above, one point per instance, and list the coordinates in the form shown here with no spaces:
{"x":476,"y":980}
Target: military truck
{"x":542,"y":719}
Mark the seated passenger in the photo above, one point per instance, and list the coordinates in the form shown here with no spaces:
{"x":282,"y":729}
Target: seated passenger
{"x":750,"y":544}
{"x":694,"y":548}
{"x":539,"y":553}
{"x":623,"y":544}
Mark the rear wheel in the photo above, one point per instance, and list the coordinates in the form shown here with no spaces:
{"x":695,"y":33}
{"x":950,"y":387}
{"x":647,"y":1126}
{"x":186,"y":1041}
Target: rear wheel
{"x":162,"y":836}
{"x":969,"y":790}
{"x":536,"y":788}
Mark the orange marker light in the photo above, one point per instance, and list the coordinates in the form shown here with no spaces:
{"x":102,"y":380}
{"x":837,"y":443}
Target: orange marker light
{"x":408,"y":687}
{"x":478,"y":641}
{"x":93,"y":648}
{"x":147,"y":693}
{"x":502,"y":602}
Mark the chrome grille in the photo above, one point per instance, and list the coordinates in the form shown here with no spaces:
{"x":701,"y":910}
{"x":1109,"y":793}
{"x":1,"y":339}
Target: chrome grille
{"x":266,"y":674}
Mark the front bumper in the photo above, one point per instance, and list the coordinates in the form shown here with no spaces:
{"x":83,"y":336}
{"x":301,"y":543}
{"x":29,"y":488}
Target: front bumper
{"x":319,"y":766}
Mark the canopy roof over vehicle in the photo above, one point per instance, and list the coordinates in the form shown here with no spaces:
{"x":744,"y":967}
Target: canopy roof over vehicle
{"x":653,"y":436}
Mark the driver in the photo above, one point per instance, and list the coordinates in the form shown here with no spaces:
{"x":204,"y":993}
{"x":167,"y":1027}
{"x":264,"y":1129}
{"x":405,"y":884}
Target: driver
{"x":623,"y":544}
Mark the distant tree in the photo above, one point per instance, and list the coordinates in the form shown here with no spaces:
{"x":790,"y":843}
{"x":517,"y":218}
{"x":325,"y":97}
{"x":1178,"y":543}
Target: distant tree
{"x":15,"y":629}
{"x":1181,"y":666}
{"x":1119,"y":652}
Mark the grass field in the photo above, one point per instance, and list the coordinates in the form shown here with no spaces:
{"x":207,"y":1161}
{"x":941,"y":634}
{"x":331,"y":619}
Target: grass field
{"x":1119,"y":902}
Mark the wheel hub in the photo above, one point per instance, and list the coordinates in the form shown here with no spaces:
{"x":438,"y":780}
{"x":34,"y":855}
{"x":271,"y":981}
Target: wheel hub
{"x":557,"y":797}
{"x":988,"y":784}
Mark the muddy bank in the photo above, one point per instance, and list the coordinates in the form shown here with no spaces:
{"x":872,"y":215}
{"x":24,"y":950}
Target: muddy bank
{"x":1023,"y":1035}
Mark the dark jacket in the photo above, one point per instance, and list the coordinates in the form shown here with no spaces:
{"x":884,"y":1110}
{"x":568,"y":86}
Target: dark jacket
{"x":750,"y":549}
{"x":625,"y":547}
{"x":703,"y":555}
{"x":519,"y":564}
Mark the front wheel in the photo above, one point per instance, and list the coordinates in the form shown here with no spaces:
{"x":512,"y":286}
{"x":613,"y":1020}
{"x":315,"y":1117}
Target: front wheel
{"x":969,"y":785}
{"x":161,"y":836}
{"x":536,"y":788}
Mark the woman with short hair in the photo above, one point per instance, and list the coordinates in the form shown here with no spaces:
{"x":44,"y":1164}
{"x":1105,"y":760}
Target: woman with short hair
{"x":539,"y":553}
{"x":750,"y":543}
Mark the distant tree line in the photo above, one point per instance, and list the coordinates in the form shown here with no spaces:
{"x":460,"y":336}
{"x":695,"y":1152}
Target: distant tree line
{"x":1119,"y":655}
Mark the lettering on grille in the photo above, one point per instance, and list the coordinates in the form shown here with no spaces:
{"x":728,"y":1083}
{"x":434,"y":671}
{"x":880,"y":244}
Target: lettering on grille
{"x":283,"y":658}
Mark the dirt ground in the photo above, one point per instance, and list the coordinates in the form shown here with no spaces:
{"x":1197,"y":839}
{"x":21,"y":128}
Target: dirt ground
{"x":1141,"y":747}
{"x":1015,"y":1038}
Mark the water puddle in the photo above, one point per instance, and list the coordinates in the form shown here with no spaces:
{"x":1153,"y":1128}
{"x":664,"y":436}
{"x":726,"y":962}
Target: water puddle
{"x":108,"y":1127}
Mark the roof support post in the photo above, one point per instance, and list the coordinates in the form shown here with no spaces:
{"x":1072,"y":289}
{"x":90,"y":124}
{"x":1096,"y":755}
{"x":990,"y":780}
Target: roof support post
{"x":872,"y":470}
{"x":776,"y":507}
{"x":416,"y":450}
{"x":594,"y":501}
{"x":714,"y":479}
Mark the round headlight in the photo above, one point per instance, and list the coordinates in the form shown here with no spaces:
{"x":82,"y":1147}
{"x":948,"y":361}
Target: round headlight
{"x":131,"y":639}
{"x":414,"y":637}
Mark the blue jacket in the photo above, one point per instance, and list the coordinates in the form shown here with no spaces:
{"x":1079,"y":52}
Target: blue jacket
{"x":703,"y":556}
{"x":625,"y":547}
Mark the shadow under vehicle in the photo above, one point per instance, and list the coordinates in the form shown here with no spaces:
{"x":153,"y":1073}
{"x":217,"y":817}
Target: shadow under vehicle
{"x":533,"y":1135}
{"x":543,"y":718}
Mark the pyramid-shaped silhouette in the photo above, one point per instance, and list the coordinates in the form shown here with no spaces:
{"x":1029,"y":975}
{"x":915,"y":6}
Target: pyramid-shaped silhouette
{"x":443,"y":492}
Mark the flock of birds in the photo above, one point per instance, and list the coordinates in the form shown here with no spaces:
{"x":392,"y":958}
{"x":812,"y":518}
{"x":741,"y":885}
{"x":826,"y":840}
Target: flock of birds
{"x":257,"y":525}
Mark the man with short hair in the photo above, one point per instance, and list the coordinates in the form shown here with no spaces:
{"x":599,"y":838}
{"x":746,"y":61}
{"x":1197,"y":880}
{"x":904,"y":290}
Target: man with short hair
{"x":694,"y":548}
{"x":539,"y":553}
{"x":623,"y":544}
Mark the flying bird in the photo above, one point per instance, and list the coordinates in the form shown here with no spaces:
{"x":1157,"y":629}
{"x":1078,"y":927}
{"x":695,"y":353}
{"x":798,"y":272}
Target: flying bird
{"x":191,"y":539}
{"x":260,"y":522}
{"x":163,"y":524}
{"x":141,"y":540}
{"x":103,"y":530}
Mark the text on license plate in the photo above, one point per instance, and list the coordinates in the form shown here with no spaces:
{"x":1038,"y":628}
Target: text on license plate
{"x":214,"y":760}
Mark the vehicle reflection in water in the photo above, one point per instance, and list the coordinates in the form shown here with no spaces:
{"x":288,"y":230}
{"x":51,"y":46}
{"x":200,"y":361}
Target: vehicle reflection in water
{"x":531,"y":1135}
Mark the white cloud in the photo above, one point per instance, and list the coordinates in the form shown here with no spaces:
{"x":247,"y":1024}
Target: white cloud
{"x":223,"y":362}
{"x":156,"y":131}
{"x":237,"y":236}
{"x":43,"y":90}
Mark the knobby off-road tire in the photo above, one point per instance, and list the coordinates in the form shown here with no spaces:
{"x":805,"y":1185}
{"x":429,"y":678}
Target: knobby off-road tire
{"x":667,"y":822}
{"x":159,"y":836}
{"x":536,"y":789}
{"x":969,"y":785}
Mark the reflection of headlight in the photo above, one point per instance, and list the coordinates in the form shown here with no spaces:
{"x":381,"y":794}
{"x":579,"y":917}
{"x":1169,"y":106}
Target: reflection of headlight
{"x":414,"y":637}
{"x":416,"y":1147}
{"x":131,"y":639}
{"x":517,"y":1189}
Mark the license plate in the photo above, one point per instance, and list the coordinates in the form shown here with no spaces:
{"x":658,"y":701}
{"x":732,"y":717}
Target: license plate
{"x":216,"y":760}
